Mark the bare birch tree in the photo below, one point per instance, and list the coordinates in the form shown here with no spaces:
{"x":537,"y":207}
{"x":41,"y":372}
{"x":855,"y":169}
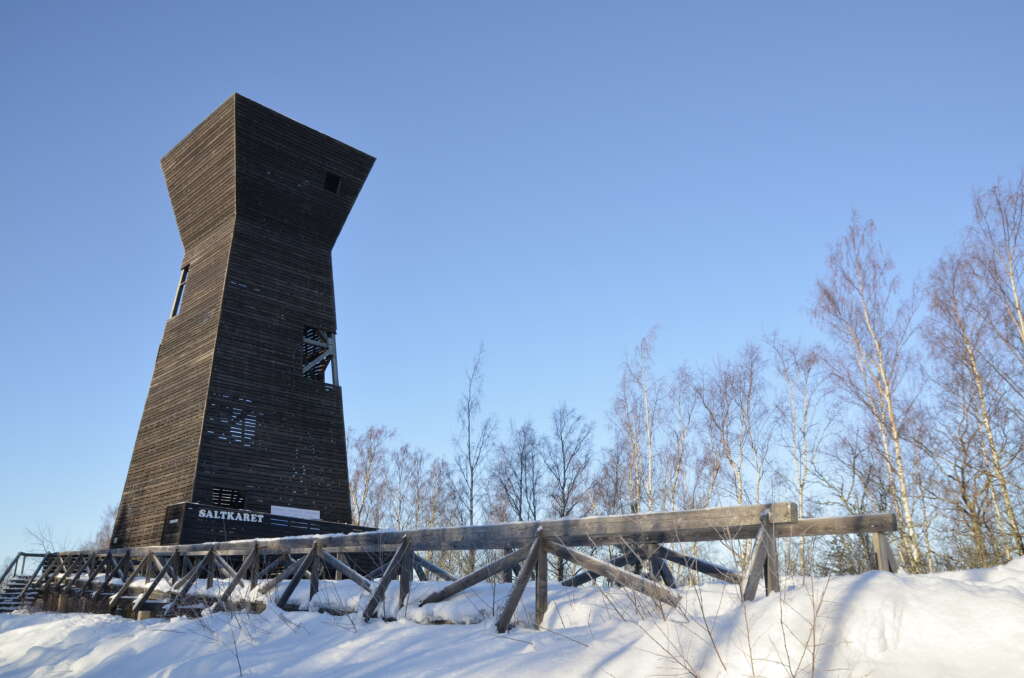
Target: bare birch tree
{"x":473,"y":444}
{"x":804,"y":419}
{"x":566,"y":456}
{"x":859,"y":306}
{"x":635,"y":418}
{"x":516,"y":475}
{"x":368,"y":481}
{"x":736,"y":423}
{"x":964,"y":353}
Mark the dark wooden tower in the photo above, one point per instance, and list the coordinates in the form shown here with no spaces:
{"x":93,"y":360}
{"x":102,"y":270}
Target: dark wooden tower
{"x":242,"y":433}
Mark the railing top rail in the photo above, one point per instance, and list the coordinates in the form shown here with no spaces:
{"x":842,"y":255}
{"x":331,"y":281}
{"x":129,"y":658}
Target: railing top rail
{"x":731,"y":522}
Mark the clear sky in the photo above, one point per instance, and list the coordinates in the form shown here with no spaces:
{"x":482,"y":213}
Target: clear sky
{"x":553,"y":179}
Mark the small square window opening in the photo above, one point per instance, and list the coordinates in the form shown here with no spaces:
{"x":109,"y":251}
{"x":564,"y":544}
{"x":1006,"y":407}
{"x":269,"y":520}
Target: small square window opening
{"x":332,"y":182}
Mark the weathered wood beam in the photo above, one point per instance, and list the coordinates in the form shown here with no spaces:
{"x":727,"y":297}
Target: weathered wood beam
{"x":378,"y":571}
{"x":186,"y":582}
{"x":436,"y":569}
{"x":190,"y":575}
{"x":405,"y":577}
{"x":314,"y":576}
{"x":49,"y":574}
{"x":771,"y":560}
{"x":224,"y":567}
{"x":541,"y":587}
{"x":35,"y":573}
{"x":140,"y":601}
{"x":281,"y":559}
{"x":754,"y":569}
{"x":112,"y":603}
{"x":476,"y":576}
{"x":730,"y":522}
{"x":347,"y":570}
{"x":270,"y":585}
{"x":97,"y":568}
{"x":616,"y":574}
{"x":377,"y":597}
{"x":583,"y":577}
{"x":115,"y":566}
{"x":702,"y":566}
{"x":661,"y":570}
{"x":254,"y":566}
{"x":246,"y":564}
{"x":669,"y":527}
{"x":296,"y":575}
{"x":884,"y":559}
{"x":529,"y":568}
{"x":66,"y":585}
{"x":866,"y":523}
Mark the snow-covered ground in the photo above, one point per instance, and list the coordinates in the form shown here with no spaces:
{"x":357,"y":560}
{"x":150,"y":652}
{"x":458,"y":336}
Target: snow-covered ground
{"x":967,"y":623}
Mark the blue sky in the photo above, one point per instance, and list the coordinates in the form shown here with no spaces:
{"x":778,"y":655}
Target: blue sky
{"x":553,"y":179}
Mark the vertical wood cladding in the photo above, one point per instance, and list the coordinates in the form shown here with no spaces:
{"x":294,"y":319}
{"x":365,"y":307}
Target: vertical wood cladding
{"x":229,"y":407}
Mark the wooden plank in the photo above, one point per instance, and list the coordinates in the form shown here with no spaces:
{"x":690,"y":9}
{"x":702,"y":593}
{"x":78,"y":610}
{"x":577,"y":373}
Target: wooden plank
{"x":476,"y":576}
{"x":740,"y":522}
{"x":97,"y":568}
{"x":702,"y":566}
{"x":405,"y":577}
{"x":49,"y":574}
{"x":296,"y":576}
{"x":279,"y":560}
{"x":186,"y":582}
{"x":190,"y":575}
{"x":754,"y":570}
{"x":140,"y":601}
{"x":541,"y":586}
{"x":270,"y":585}
{"x":347,"y":570}
{"x":377,"y":597}
{"x":116,"y":566}
{"x":884,"y":559}
{"x":341,"y":557}
{"x":254,"y":566}
{"x":10,"y":566}
{"x":246,"y":564}
{"x":616,"y":574}
{"x":224,"y":567}
{"x":528,"y":569}
{"x":661,"y":570}
{"x":68,"y":583}
{"x":314,"y":576}
{"x":436,"y":569}
{"x":507,"y":575}
{"x":771,"y":560}
{"x":587,"y":575}
{"x":379,"y":570}
{"x":31,"y":579}
{"x":673,"y":526}
{"x":112,"y":603}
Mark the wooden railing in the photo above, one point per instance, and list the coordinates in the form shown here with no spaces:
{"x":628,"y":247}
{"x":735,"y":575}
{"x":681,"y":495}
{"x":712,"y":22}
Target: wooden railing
{"x":374,"y":559}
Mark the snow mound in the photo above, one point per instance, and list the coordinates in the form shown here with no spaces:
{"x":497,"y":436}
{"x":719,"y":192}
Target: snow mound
{"x":968,"y":623}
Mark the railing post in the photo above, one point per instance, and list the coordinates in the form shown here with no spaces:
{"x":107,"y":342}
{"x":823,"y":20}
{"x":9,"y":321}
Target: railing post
{"x":884,"y":559}
{"x":771,"y":561}
{"x":541,"y":589}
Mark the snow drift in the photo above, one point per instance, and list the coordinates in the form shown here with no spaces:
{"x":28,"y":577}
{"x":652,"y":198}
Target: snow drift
{"x":968,"y":623}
